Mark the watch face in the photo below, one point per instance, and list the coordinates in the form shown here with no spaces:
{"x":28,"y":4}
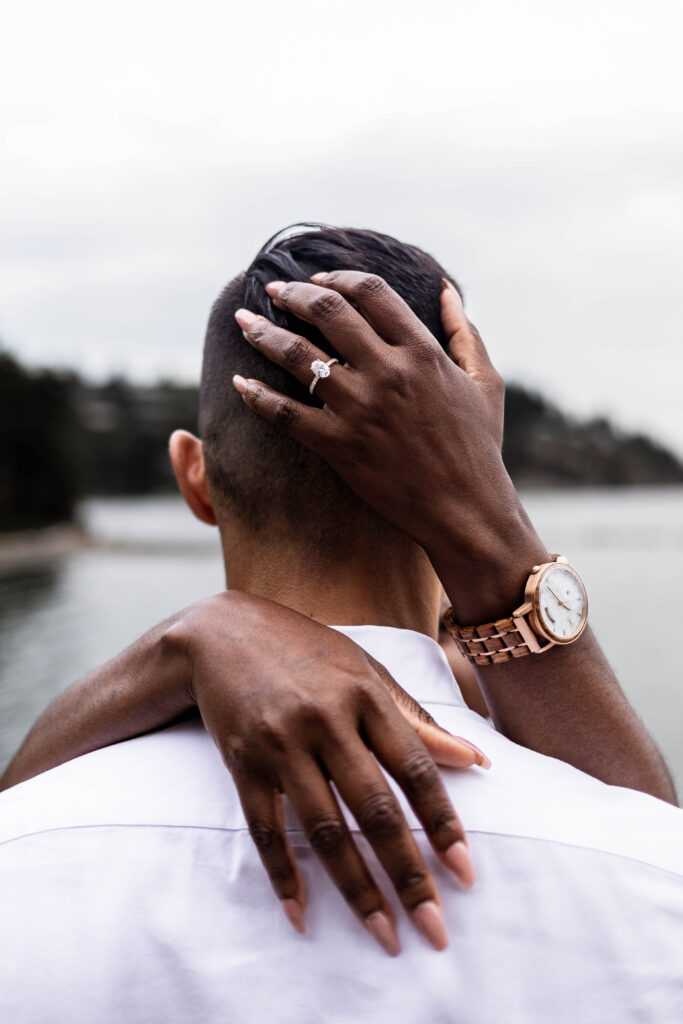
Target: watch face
{"x":561,"y":604}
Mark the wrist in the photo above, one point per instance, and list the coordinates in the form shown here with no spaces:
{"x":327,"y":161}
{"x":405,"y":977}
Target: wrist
{"x":204,"y":630}
{"x":484,"y":558}
{"x":180,"y":644}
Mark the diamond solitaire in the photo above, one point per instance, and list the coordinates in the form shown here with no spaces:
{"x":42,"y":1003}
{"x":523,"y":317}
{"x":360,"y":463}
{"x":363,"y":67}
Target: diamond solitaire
{"x":320,"y":370}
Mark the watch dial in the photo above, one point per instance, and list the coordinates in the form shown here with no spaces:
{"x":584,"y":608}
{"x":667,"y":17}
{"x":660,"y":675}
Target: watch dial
{"x":562,"y":602}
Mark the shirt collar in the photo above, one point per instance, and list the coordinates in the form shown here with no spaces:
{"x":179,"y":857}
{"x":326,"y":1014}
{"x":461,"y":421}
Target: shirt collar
{"x":415,"y":661}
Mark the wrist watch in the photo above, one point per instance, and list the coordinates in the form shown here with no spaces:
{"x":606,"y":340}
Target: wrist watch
{"x":555,"y":611}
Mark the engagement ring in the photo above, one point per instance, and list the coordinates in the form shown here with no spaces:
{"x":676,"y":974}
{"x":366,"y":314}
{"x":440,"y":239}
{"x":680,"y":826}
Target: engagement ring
{"x":320,"y":370}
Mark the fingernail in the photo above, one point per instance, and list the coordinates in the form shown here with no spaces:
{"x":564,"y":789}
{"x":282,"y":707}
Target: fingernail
{"x":449,"y":284}
{"x":273,"y":287}
{"x":240,"y":384}
{"x":295,"y":915}
{"x":428,"y":919}
{"x":319,"y":276}
{"x":380,"y":927}
{"x":244,"y":318}
{"x":482,"y":760}
{"x":459,"y":861}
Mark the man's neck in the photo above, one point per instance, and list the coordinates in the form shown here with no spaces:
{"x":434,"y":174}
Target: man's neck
{"x":369,"y":588}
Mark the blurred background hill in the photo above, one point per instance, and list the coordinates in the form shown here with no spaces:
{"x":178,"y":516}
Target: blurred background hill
{"x":63,"y":438}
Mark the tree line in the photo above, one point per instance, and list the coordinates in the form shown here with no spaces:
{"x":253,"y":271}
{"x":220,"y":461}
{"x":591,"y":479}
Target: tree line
{"x":63,"y":438}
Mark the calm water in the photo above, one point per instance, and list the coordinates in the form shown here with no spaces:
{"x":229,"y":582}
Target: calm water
{"x":152,"y":558}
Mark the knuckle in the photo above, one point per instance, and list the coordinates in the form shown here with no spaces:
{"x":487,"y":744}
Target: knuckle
{"x":357,"y":890}
{"x":258,"y":395}
{"x":285,"y":415}
{"x":272,"y":733}
{"x":306,"y":711}
{"x":236,"y":756}
{"x":365,"y":693}
{"x":317,"y":713}
{"x":410,"y":881}
{"x":444,"y":827}
{"x":327,"y":835}
{"x":371,"y":286}
{"x":327,"y":306}
{"x":497,"y":382}
{"x":295,"y":351}
{"x":420,"y":775}
{"x":428,"y":353}
{"x":401,"y":378}
{"x":379,"y":816}
{"x":266,"y":836}
{"x":258,"y":330}
{"x":286,"y":292}
{"x":281,"y":874}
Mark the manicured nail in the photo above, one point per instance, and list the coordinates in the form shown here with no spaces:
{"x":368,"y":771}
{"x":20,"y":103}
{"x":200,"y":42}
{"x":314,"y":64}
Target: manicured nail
{"x":428,"y":919}
{"x":295,"y":915}
{"x":449,"y":284}
{"x":245,"y":318}
{"x":319,"y":276}
{"x":482,"y":760}
{"x":459,"y":861}
{"x":380,"y":927}
{"x":240,"y":384}
{"x":273,"y":287}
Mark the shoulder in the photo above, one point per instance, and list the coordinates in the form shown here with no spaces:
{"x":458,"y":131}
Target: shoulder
{"x":526,"y":794}
{"x":171,"y":777}
{"x":175,"y":777}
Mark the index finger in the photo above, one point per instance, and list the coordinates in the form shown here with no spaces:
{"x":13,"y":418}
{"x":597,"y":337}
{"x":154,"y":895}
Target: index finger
{"x":342,"y":325}
{"x":382,"y":307}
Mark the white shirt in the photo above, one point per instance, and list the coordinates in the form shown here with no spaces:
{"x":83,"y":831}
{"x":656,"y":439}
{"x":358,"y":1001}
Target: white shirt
{"x":130,"y":891}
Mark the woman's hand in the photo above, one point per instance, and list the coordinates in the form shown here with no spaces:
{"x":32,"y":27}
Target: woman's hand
{"x":297,"y":706}
{"x":415,"y":433}
{"x":293,"y":706}
{"x":417,"y":436}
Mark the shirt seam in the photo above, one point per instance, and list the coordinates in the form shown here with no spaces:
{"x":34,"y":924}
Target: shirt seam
{"x":300,"y":832}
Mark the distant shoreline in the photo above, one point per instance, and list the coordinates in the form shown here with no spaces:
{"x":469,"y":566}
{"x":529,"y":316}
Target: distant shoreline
{"x":27,"y":548}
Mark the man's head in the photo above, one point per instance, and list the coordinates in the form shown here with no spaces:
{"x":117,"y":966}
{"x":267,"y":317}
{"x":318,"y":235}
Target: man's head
{"x":257,"y":475}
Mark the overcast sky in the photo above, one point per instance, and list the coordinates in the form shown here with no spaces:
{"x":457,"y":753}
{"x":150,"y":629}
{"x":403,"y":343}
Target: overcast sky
{"x":148,"y":149}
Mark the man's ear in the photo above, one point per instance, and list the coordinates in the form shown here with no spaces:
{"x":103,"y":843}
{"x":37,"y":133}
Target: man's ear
{"x":187,"y":458}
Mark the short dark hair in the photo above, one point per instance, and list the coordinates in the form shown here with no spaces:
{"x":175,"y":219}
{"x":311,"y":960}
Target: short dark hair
{"x":272,"y":483}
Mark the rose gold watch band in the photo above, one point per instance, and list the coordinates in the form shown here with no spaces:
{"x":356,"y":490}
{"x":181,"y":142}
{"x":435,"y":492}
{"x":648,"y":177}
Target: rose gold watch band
{"x":494,"y":641}
{"x":512,"y":637}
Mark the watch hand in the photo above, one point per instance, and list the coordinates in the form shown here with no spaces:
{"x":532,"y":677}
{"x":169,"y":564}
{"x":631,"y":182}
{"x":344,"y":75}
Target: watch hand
{"x":558,"y":600}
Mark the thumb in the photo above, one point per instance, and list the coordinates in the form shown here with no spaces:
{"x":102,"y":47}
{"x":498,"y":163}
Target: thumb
{"x":446,"y":749}
{"x":453,"y":316}
{"x":464,"y":340}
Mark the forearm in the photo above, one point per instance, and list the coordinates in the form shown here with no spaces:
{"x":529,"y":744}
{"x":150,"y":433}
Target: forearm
{"x":144,"y":688}
{"x":565,"y":702}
